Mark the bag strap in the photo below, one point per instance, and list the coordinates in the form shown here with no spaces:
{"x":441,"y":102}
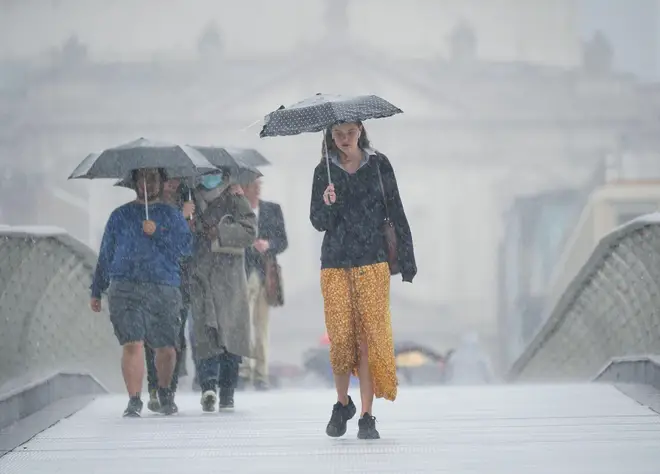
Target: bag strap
{"x":382,"y":188}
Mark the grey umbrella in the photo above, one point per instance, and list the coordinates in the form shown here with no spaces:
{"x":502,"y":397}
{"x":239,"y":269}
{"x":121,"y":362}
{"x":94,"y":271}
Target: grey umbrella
{"x":230,"y":157}
{"x":249,"y":156}
{"x":246,"y":175}
{"x":321,"y":111}
{"x":239,"y":162}
{"x":177,"y":160}
{"x":83,"y":168}
{"x":240,"y":173}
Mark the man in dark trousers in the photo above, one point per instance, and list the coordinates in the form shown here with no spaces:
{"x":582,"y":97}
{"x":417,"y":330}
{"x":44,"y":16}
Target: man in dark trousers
{"x":260,"y":261}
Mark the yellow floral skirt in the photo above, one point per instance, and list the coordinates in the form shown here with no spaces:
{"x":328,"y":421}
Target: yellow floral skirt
{"x":357,"y":307}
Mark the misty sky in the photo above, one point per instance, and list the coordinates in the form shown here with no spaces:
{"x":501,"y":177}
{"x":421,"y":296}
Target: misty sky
{"x":632,"y":27}
{"x":31,"y":27}
{"x":172,"y":25}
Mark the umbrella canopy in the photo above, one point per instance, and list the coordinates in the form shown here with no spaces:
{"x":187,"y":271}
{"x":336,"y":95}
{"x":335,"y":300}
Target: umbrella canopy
{"x":230,"y":157}
{"x":240,"y":173}
{"x":83,"y":168}
{"x":324,"y":110}
{"x":239,"y":162}
{"x":246,"y":174}
{"x":248,"y":156}
{"x":118,"y":162}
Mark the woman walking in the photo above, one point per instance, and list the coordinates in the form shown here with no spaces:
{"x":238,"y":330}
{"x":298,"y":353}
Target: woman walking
{"x":355,"y":273}
{"x":225,"y":226}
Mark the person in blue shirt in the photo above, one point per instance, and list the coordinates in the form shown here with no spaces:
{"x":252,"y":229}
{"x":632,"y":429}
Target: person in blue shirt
{"x":139,"y":267}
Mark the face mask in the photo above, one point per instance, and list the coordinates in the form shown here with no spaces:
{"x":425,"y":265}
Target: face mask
{"x":211,"y":181}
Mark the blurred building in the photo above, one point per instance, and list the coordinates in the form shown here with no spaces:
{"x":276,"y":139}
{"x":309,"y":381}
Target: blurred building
{"x":549,"y":237}
{"x":501,"y":99}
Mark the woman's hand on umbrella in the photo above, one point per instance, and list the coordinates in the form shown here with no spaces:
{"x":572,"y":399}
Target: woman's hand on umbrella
{"x":149,"y":227}
{"x":329,"y":196}
{"x":188,"y":209}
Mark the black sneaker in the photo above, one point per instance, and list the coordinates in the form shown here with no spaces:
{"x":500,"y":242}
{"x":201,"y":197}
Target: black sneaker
{"x":226,"y":398}
{"x":367,"y":427}
{"x":134,"y":408}
{"x":166,"y":399}
{"x":340,"y":416}
{"x":153,"y":404}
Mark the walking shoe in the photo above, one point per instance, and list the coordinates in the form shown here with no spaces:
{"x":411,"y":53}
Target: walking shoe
{"x":367,"y":427}
{"x":340,"y":416}
{"x":134,"y":408}
{"x":153,"y":404}
{"x":226,"y":398}
{"x":166,"y":399}
{"x":208,"y":401}
{"x":261,"y":386}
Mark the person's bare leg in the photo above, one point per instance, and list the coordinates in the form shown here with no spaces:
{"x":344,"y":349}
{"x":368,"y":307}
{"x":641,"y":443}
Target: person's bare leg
{"x":366,"y":380}
{"x":132,"y":367}
{"x":341,"y":384}
{"x":165,"y":363}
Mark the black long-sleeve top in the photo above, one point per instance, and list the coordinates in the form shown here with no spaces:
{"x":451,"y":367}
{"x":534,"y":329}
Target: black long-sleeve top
{"x":353,"y":224}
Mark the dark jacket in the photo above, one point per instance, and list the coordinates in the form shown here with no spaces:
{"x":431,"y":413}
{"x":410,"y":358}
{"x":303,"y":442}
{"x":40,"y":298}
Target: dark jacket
{"x":352,"y":225}
{"x":270,"y":227}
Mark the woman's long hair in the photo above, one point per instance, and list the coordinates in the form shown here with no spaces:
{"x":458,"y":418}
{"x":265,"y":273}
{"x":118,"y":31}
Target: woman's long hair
{"x":363,"y":141}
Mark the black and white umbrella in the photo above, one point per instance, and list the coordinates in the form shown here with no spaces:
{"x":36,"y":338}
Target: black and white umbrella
{"x":322,"y":111}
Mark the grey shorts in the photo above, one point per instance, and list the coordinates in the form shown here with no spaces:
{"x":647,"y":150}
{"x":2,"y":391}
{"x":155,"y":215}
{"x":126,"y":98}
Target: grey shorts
{"x":145,"y":312}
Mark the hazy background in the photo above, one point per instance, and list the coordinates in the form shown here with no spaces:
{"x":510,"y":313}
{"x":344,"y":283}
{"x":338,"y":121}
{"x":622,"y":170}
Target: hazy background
{"x":503,"y":99}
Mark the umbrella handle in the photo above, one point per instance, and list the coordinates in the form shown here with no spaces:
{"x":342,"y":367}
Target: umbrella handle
{"x":146,"y":199}
{"x":250,"y":126}
{"x":327,"y":157}
{"x":190,"y":199}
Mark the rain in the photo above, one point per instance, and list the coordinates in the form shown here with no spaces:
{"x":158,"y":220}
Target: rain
{"x":257,"y":230}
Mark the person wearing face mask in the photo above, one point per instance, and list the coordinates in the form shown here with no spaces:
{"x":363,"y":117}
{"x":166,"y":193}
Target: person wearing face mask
{"x":224,"y":226}
{"x":356,"y":266}
{"x":139,"y":266}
